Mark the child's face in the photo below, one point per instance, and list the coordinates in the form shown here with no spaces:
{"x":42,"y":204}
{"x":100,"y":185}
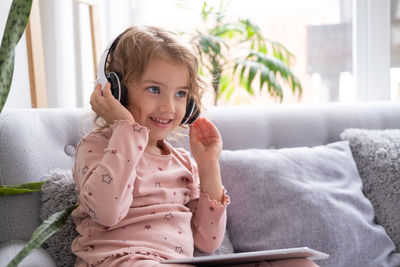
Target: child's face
{"x":158,"y":99}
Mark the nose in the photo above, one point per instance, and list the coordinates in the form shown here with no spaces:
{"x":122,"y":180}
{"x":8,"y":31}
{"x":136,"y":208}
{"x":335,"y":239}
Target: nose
{"x":167,"y":105}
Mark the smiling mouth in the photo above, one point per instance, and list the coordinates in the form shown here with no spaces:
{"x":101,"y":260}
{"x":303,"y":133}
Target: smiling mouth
{"x":159,"y":121}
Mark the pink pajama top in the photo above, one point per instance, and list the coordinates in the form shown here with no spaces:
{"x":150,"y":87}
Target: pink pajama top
{"x":134,"y":202}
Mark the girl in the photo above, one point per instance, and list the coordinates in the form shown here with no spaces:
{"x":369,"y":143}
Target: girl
{"x":142,"y":200}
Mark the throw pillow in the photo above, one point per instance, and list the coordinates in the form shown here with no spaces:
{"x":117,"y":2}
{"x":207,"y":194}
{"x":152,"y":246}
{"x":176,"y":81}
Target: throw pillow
{"x":299,"y":197}
{"x":377,"y":155}
{"x":58,"y":193}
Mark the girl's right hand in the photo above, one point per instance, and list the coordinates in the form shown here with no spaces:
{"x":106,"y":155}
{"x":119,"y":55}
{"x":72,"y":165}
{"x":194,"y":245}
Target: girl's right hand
{"x":107,"y":106}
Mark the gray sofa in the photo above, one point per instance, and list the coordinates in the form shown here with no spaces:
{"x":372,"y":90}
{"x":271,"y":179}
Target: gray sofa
{"x":292,"y":181}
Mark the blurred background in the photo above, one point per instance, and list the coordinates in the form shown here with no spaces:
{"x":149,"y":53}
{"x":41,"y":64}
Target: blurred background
{"x":337,"y":50}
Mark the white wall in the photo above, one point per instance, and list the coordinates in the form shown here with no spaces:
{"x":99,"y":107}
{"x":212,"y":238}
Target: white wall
{"x":19,"y":96}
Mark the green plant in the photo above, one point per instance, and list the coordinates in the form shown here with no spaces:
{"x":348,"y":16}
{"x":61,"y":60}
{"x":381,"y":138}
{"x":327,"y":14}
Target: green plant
{"x":50,"y":226}
{"x":236,"y":50}
{"x":15,"y":26}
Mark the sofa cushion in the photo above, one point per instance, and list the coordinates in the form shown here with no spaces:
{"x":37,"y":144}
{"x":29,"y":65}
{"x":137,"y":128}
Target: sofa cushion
{"x":303,"y":196}
{"x":377,"y":155}
{"x":58,"y":193}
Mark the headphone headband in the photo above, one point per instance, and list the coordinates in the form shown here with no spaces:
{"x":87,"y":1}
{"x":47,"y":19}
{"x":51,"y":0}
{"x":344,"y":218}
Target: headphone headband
{"x":120,"y":92}
{"x":101,"y":70}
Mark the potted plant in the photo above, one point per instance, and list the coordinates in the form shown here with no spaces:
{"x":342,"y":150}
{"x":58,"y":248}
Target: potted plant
{"x":234,"y":52}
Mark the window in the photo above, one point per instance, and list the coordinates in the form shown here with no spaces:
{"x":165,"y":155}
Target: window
{"x":339,"y":45}
{"x":395,"y":50}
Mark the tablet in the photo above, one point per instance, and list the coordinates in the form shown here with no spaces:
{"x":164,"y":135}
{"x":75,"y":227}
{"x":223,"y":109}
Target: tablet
{"x":255,"y":256}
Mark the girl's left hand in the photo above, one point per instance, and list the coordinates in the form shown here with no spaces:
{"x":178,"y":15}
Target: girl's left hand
{"x":205,"y":141}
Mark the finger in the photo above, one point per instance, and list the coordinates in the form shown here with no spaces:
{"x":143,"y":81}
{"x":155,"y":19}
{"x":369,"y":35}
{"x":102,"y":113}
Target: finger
{"x":96,"y":92}
{"x":200,"y":129}
{"x":97,"y":89}
{"x":211,"y":128}
{"x":194,"y":133}
{"x":107,"y":90}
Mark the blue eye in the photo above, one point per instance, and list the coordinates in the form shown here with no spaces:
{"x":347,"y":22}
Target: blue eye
{"x":181,"y":94}
{"x":153,"y":89}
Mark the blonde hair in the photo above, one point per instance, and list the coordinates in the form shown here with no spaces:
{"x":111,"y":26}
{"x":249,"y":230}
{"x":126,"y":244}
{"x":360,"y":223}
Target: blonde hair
{"x":138,"y":45}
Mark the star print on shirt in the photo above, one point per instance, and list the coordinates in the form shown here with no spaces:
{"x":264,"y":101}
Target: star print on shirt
{"x":211,"y":208}
{"x":106,"y":178}
{"x":140,"y":148}
{"x":85,"y":170}
{"x":114,"y":151}
{"x":168,"y":216}
{"x":158,"y":184}
{"x":147,"y":226}
{"x":137,"y":128}
{"x":178,"y":250}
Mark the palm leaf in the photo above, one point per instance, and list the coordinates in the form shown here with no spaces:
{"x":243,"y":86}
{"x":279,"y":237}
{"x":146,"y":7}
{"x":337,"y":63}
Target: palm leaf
{"x":210,"y":43}
{"x":278,"y":66}
{"x":267,"y":67}
{"x":225,"y":85}
{"x":281,"y":52}
{"x":268,"y":76}
{"x":20,"y":188}
{"x":42,"y":233}
{"x":229,"y":30}
{"x":15,"y":26}
{"x":246,"y":83}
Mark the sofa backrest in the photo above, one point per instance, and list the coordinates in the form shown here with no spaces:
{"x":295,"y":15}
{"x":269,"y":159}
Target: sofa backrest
{"x":36,"y":141}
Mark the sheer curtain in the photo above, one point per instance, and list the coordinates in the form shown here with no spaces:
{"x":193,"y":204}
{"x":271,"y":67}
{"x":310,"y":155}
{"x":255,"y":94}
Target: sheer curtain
{"x":67,"y":44}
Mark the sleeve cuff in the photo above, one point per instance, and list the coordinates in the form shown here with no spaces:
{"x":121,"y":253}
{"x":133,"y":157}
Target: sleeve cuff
{"x":214,"y":203}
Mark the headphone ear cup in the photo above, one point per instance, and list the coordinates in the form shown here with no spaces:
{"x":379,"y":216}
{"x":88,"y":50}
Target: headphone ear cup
{"x":118,"y":90}
{"x":113,"y":78}
{"x":124,"y":95}
{"x":192,"y":112}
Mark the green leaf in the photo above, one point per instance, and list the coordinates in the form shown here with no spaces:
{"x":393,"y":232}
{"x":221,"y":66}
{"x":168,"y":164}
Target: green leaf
{"x":42,"y":233}
{"x":20,"y":188}
{"x":274,"y":88}
{"x":209,"y":43}
{"x":229,"y":92}
{"x":15,"y":26}
{"x":268,"y":67}
{"x":251,"y":74}
{"x":225,"y":84}
{"x":228,"y":30}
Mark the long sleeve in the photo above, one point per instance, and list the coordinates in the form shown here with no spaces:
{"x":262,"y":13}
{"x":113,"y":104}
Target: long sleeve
{"x":104,"y":170}
{"x":209,"y":217}
{"x":209,"y":223}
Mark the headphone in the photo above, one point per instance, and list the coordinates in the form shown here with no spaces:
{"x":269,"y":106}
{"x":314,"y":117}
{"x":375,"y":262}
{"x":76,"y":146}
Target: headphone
{"x":119,"y":91}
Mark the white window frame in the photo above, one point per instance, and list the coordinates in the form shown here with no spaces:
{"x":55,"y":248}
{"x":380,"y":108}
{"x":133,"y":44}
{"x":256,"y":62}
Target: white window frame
{"x":371,"y":49}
